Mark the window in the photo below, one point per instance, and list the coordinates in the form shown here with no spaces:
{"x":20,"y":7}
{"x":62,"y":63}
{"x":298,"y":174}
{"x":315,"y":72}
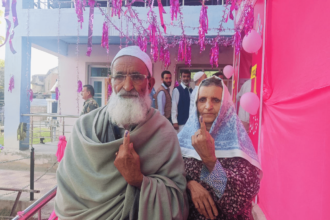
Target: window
{"x":99,"y":79}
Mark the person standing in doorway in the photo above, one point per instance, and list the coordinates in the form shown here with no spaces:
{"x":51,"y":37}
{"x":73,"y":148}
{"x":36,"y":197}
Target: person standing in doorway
{"x":90,"y":104}
{"x":162,"y":96}
{"x":198,"y":78}
{"x":181,"y":101}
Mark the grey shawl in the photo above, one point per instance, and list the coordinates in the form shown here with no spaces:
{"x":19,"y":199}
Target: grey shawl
{"x":91,"y":187}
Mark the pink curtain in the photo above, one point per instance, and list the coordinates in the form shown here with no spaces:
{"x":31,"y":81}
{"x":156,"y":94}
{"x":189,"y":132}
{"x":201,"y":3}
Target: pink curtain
{"x":295,"y":147}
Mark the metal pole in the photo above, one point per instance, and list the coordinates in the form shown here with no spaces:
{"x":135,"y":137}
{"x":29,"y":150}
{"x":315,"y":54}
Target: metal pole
{"x":32,"y":174}
{"x":63,"y":125}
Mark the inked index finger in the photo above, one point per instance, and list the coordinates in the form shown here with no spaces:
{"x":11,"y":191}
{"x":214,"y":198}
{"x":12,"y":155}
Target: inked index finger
{"x":126,"y":141}
{"x":203,"y":126}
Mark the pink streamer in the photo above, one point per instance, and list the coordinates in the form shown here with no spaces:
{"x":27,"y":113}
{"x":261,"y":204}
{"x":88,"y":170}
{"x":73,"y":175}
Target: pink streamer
{"x":80,"y":8}
{"x":161,"y":11}
{"x":203,"y":27}
{"x":167,"y":59}
{"x":161,"y":53}
{"x":237,"y":42}
{"x":188,"y":54}
{"x":30,"y":95}
{"x":6,"y":4}
{"x":248,"y":19}
{"x":79,"y":86}
{"x":176,"y":84}
{"x":105,"y":37}
{"x":57,"y":93}
{"x":116,"y":8}
{"x":61,"y":148}
{"x":182,"y":50}
{"x":174,"y":9}
{"x":233,"y":7}
{"x":11,"y":84}
{"x":153,"y":42}
{"x":91,"y":4}
{"x":142,"y":42}
{"x":20,"y":214}
{"x":53,"y":216}
{"x":214,"y":55}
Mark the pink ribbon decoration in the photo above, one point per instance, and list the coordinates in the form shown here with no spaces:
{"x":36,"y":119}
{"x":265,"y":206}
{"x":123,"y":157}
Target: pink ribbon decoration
{"x":129,"y":8}
{"x":174,"y":9}
{"x":161,"y":53}
{"x":91,"y":4}
{"x":142,"y":43}
{"x":161,"y":11}
{"x":176,"y":84}
{"x":116,"y":8}
{"x":153,"y":41}
{"x":109,"y":90}
{"x":167,"y":59}
{"x":237,"y":42}
{"x":105,"y":37}
{"x":248,"y":19}
{"x":53,"y":216}
{"x":79,"y":86}
{"x":57,"y":93}
{"x":61,"y":148}
{"x":80,"y":7}
{"x":233,"y":7}
{"x":188,"y":54}
{"x":182,"y":50}
{"x":11,"y":84}
{"x":203,"y":27}
{"x":214,"y":55}
{"x":20,"y":214}
{"x":30,"y":95}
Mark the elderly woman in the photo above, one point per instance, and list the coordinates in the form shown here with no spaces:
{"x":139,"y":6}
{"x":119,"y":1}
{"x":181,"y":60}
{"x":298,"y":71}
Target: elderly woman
{"x":222,"y":168}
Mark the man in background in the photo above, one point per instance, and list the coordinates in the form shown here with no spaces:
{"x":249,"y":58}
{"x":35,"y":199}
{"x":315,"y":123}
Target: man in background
{"x":162,"y":96}
{"x":90,"y":104}
{"x":198,"y":78}
{"x":181,"y":101}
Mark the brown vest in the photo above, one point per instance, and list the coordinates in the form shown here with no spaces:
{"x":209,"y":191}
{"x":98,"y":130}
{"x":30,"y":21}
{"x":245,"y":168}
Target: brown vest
{"x":168,"y":103}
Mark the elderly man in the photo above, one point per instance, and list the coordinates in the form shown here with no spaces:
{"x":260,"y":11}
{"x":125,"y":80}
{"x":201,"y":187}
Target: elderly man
{"x":123,"y":161}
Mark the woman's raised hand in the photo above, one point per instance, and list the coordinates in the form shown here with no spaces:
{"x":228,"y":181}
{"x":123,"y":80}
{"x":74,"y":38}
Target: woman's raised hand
{"x":202,"y":200}
{"x":203,"y":143}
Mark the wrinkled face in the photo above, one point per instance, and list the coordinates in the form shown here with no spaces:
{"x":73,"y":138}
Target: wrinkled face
{"x":138,"y":76}
{"x":209,"y":102}
{"x":185,"y":77}
{"x":85,"y":93}
{"x":167,"y":80}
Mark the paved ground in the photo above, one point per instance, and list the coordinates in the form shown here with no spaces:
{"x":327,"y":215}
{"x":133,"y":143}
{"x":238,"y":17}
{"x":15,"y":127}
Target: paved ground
{"x":17,"y":175}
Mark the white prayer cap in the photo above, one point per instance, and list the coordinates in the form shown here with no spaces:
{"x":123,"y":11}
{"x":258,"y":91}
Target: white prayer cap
{"x":135,"y":51}
{"x":198,"y":75}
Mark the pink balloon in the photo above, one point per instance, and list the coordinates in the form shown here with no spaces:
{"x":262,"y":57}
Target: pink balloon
{"x":252,"y":42}
{"x":250,"y":102}
{"x":228,"y":71}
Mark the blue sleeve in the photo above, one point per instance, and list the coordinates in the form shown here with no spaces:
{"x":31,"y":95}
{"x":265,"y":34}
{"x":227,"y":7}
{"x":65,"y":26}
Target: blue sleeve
{"x":217,"y":179}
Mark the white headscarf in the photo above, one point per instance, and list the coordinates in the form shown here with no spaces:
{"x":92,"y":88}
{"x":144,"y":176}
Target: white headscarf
{"x":135,"y":51}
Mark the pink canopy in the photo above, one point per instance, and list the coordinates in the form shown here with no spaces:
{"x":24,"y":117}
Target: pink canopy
{"x":295,"y":137}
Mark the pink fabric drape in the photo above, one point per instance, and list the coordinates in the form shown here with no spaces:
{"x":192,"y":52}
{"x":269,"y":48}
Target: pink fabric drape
{"x":295,"y":144}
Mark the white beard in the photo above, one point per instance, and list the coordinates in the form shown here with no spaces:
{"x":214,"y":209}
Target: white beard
{"x":126,"y":112}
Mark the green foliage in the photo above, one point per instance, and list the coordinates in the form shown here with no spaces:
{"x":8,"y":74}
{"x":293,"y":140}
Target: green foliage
{"x":2,"y":62}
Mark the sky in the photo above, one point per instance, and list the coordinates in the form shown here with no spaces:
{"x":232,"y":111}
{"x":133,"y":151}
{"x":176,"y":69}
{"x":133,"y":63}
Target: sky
{"x":41,"y":61}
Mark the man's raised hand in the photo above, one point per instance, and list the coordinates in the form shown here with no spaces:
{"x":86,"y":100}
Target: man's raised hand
{"x":128,"y":162}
